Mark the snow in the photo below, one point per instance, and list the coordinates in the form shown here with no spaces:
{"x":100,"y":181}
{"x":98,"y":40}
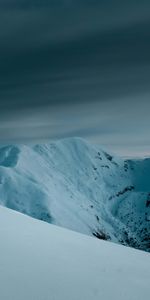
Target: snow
{"x":79,"y":186}
{"x":45,"y":262}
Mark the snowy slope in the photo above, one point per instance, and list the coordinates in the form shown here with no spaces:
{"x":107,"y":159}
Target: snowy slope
{"x":78,"y":186}
{"x":42,"y":261}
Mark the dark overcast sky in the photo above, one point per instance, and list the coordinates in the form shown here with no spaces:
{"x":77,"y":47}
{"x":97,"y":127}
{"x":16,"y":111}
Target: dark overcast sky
{"x":76,"y":68}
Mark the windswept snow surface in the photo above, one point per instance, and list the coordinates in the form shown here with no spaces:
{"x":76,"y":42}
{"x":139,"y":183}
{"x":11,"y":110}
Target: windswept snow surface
{"x":81,"y":187}
{"x":45,"y":262}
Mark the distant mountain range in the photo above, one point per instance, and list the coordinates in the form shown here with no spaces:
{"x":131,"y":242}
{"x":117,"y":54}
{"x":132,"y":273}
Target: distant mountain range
{"x":76,"y":185}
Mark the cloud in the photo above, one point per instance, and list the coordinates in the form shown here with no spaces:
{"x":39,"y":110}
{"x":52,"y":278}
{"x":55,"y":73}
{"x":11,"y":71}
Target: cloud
{"x":74,"y":68}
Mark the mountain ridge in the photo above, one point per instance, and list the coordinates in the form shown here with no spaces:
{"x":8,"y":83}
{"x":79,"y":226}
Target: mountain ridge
{"x":76,"y":185}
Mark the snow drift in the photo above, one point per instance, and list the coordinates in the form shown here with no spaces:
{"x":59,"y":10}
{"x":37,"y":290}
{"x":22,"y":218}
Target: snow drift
{"x":42,"y":261}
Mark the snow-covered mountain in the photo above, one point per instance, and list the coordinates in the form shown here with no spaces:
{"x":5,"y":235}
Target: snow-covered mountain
{"x":39,"y":261}
{"x":76,"y":185}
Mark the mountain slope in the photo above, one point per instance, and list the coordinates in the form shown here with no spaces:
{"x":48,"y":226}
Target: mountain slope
{"x":78,"y":186}
{"x":42,"y":261}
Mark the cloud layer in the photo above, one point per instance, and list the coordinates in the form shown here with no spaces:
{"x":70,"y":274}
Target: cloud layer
{"x":76,"y":68}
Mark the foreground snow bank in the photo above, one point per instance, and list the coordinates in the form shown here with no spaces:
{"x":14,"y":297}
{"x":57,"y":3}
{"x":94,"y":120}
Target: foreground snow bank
{"x":41,"y":261}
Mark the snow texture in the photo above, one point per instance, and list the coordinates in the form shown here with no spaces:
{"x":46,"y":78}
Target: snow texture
{"x":45,"y":262}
